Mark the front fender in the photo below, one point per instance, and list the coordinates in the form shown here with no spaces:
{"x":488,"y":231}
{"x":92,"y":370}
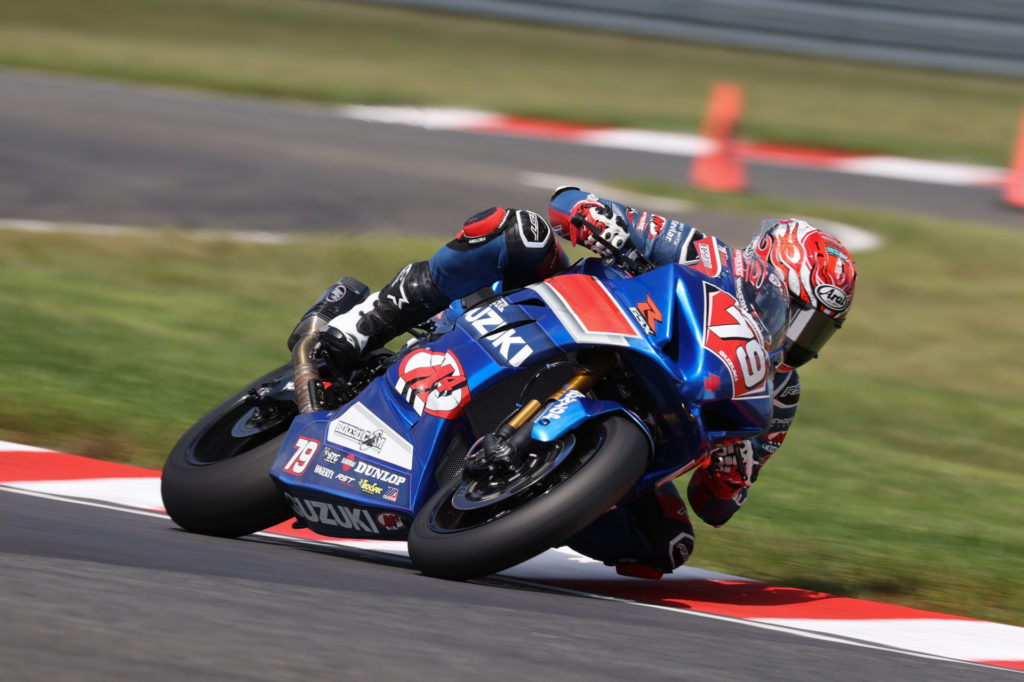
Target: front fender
{"x":574,"y":408}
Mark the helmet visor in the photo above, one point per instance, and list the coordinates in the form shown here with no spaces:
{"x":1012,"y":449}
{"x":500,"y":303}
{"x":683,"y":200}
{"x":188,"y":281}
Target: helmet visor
{"x":809,"y":331}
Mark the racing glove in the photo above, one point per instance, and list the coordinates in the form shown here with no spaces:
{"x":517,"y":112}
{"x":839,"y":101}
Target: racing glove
{"x":612,"y":228}
{"x":731,"y":468}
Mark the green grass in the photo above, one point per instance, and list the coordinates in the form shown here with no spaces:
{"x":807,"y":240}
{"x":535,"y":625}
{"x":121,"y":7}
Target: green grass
{"x":113,"y":345}
{"x":901,"y":479}
{"x":333,"y":51}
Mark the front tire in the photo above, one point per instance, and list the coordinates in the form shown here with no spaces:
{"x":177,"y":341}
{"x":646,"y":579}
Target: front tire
{"x":216,"y":480}
{"x":446,"y":542}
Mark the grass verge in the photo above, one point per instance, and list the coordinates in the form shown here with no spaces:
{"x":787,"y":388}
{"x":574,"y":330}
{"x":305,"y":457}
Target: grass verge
{"x":901,"y":480}
{"x":334,"y":51}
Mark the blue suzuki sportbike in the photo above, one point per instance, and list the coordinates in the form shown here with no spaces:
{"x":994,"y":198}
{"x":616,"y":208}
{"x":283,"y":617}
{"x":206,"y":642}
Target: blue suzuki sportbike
{"x":510,"y":422}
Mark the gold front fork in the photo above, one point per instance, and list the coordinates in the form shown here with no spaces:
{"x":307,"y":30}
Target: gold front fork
{"x":584,"y":380}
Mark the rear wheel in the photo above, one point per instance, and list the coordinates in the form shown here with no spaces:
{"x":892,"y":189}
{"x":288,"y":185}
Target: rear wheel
{"x":472,"y":528}
{"x":216,"y":479}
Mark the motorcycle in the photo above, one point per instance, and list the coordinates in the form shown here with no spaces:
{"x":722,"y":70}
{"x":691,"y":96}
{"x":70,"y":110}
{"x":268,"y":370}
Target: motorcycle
{"x":509,"y":423}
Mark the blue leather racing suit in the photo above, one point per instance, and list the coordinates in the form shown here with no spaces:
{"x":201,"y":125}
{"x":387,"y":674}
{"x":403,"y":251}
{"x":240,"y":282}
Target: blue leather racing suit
{"x":518,"y":248}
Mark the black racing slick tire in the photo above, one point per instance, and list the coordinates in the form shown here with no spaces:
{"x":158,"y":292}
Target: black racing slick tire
{"x":216,"y":480}
{"x":615,"y":455}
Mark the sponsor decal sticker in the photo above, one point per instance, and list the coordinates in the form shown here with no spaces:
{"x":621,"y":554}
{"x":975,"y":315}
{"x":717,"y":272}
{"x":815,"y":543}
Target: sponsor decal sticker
{"x":334,"y":515}
{"x":738,"y":264}
{"x":790,"y":391}
{"x":558,"y":408}
{"x":377,"y":473}
{"x":530,"y":230}
{"x":321,"y":470}
{"x":832,"y":297}
{"x":655,"y":226}
{"x":736,"y":340}
{"x":336,"y":294}
{"x":360,"y":430}
{"x":369,"y":487}
{"x":364,"y":440}
{"x":433,"y":383}
{"x":390,"y":521}
{"x":507,"y":344}
{"x":647,"y":315}
{"x":305,"y":448}
{"x":709,"y":258}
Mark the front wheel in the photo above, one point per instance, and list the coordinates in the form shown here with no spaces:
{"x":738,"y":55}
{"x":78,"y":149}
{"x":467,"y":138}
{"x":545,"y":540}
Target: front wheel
{"x":216,"y":481}
{"x":467,"y":529}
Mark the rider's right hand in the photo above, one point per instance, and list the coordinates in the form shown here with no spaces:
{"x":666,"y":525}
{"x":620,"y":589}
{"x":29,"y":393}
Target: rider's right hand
{"x":612,"y":228}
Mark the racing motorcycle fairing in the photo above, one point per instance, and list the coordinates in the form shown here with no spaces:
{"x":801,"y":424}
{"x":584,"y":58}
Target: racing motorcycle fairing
{"x":699,"y":369}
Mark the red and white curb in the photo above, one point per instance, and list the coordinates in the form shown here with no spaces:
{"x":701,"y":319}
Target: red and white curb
{"x":692,"y":591}
{"x":681,"y":144}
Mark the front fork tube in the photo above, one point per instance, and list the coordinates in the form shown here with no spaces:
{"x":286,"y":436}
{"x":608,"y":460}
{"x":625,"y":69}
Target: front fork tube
{"x":517,"y":430}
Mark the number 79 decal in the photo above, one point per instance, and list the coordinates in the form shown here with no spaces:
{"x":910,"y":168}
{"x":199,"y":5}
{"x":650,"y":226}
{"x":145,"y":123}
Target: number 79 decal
{"x":731,"y":335}
{"x":305,"y":449}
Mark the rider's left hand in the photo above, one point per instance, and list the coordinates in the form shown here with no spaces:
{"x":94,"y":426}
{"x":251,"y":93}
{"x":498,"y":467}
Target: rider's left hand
{"x":731,"y":467}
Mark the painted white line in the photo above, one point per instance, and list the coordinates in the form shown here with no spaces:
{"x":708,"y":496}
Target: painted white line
{"x":921,"y":170}
{"x":48,"y":227}
{"x":7,"y":446}
{"x":678,"y":144}
{"x":86,"y":503}
{"x":434,"y":118}
{"x":141,"y":493}
{"x":960,"y":639}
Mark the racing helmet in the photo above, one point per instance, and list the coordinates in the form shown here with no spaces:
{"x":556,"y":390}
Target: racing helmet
{"x":820,"y":275}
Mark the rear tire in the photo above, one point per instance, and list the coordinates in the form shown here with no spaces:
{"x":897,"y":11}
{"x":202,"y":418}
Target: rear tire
{"x":216,"y":480}
{"x":439,"y":547}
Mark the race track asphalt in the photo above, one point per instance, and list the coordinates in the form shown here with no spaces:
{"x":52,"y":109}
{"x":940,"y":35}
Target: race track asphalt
{"x":92,"y":594}
{"x":92,"y":151}
{"x":96,"y":594}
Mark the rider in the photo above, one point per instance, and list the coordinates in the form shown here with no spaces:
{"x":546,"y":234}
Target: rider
{"x":651,"y":535}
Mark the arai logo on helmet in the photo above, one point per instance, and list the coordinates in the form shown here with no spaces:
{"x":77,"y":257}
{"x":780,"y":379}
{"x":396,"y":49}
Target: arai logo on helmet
{"x":832,"y":297}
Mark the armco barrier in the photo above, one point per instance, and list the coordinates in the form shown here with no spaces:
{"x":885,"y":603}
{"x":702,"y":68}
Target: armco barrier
{"x":980,"y":36}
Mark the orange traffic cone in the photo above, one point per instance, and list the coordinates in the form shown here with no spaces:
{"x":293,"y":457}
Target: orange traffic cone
{"x":720,"y":169}
{"x":1013,"y":194}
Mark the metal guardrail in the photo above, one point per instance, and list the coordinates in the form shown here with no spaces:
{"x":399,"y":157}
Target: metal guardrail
{"x":978,"y":36}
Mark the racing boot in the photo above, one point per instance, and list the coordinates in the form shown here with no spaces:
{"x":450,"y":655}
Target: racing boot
{"x":646,"y":538}
{"x":339,"y":298}
{"x":410,"y":298}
